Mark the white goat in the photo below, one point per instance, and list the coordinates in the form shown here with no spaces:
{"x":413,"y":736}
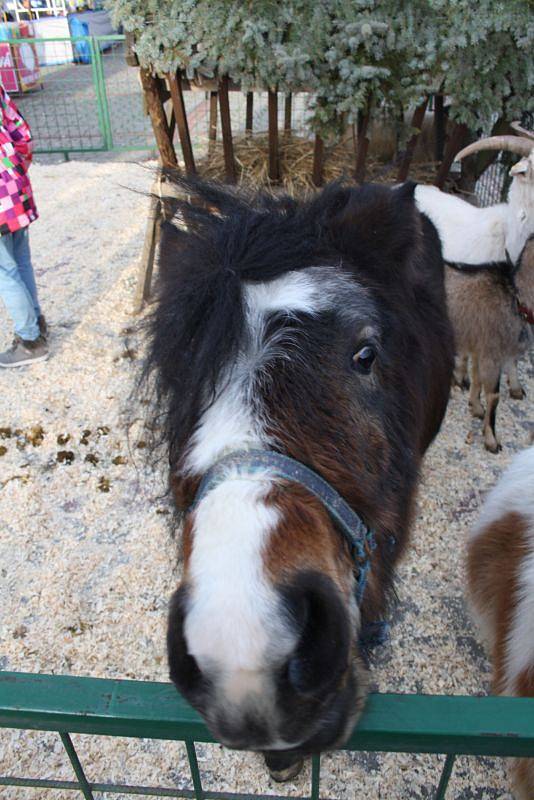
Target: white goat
{"x":485,"y":246}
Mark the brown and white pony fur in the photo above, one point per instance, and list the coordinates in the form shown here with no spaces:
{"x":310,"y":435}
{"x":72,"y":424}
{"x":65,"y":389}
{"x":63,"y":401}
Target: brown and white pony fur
{"x":319,"y":330}
{"x":501,"y":584}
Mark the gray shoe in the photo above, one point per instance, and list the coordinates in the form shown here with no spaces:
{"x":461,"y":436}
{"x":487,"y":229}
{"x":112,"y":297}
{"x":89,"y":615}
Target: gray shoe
{"x":43,"y":327}
{"x":24,"y":352}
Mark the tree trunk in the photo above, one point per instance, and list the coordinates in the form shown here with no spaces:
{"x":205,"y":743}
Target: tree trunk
{"x":158,"y":119}
{"x":178,"y":104}
{"x":454,"y":145}
{"x":440,"y":127}
{"x":318,"y":161}
{"x":363,"y":143}
{"x":249,"y":114}
{"x":287,"y":114}
{"x":274,"y":166}
{"x":417,"y":122}
{"x":226,"y":130}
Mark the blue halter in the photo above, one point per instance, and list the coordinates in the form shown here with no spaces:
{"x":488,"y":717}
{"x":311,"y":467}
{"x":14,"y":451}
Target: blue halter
{"x":360,"y":538}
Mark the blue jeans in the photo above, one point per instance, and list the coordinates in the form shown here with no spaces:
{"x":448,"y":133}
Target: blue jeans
{"x":17,"y":283}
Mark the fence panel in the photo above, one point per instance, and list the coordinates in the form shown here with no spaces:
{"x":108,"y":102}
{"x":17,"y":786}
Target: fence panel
{"x":448,"y":725}
{"x":86,"y":98}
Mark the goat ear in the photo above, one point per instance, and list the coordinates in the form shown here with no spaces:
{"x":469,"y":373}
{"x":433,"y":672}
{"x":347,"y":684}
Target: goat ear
{"x":322,"y":653}
{"x":375,"y":224}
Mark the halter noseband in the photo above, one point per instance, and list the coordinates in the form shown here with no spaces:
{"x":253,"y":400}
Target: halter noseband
{"x":242,"y":463}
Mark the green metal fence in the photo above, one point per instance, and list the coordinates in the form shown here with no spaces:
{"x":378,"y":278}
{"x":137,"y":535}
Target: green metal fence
{"x":446,"y":725}
{"x":87,"y":99}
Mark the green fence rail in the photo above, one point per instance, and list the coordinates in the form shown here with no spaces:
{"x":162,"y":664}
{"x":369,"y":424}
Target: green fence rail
{"x":86,"y":98}
{"x":446,"y":725}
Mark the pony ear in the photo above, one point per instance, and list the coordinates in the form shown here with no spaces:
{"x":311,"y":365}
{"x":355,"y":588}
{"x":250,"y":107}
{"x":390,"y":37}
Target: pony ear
{"x":322,"y":653}
{"x":375,"y":225}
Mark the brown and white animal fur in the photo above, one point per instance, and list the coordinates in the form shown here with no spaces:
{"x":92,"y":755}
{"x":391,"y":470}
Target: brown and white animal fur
{"x":501,"y":586}
{"x":488,"y":328}
{"x":265,"y":310}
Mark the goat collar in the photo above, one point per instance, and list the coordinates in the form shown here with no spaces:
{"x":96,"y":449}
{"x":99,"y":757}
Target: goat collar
{"x":242,"y":463}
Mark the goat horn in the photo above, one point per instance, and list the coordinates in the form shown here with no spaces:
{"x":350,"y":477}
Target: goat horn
{"x":515,"y":144}
{"x":518,"y":128}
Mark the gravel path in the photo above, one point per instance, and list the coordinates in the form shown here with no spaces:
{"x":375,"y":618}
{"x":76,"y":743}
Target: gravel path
{"x":86,"y":560}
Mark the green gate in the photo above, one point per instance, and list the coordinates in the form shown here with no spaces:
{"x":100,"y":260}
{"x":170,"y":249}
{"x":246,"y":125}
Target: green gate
{"x":447,"y":725}
{"x":87,"y":100}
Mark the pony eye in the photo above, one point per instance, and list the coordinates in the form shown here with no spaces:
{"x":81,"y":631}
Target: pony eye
{"x":363,"y":359}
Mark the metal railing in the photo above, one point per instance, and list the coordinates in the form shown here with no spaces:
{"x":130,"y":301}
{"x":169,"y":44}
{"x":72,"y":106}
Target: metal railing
{"x":446,"y":725}
{"x":86,"y":98}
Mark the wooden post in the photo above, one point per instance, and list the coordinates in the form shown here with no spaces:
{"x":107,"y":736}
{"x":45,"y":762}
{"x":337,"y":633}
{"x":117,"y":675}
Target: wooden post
{"x":226,"y":129}
{"x":249,"y":118}
{"x":363,"y":143}
{"x":274,"y":166}
{"x":454,"y":145}
{"x":287,"y":114}
{"x":172,"y":125}
{"x":130,"y":54}
{"x":417,"y":122}
{"x":318,"y":161}
{"x":158,"y":119}
{"x":212,"y":132}
{"x":440,"y":127}
{"x":177,"y":98}
{"x":146,"y":264}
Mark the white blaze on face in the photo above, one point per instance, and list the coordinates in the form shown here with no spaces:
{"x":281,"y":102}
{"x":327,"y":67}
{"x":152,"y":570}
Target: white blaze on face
{"x":233,"y":611}
{"x":234,"y":626}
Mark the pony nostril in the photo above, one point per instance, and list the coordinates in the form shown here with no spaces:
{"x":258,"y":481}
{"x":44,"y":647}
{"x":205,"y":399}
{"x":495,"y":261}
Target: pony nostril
{"x":320,"y":619}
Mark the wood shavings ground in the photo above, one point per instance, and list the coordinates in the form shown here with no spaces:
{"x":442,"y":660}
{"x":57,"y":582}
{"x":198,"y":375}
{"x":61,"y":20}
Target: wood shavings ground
{"x":87,"y":562}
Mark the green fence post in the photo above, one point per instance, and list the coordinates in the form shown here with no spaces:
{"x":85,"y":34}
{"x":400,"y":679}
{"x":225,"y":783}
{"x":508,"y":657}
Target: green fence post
{"x":99,"y":82}
{"x":193,"y":766}
{"x":315,"y":777}
{"x":445,"y":777}
{"x":77,"y":767}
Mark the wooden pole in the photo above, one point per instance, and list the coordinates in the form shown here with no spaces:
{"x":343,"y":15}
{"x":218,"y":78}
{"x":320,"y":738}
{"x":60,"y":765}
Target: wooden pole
{"x":455,"y":144}
{"x":318,"y":161}
{"x":146,"y":263}
{"x":287,"y":113}
{"x":417,"y":122}
{"x":212,"y":132}
{"x":440,"y":127}
{"x":249,"y":118}
{"x":226,"y":129}
{"x":158,"y":119}
{"x":363,"y":143}
{"x":274,"y":166}
{"x":177,"y":99}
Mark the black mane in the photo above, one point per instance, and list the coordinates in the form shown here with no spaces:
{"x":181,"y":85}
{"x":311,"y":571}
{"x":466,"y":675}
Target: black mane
{"x":198,"y":322}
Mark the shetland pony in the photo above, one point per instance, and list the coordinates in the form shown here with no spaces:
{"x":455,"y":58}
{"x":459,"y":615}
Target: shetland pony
{"x":501,"y":585}
{"x":316,"y":330}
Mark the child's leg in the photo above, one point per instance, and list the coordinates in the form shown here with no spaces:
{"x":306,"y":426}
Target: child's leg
{"x":15,"y":294}
{"x":21,"y":252}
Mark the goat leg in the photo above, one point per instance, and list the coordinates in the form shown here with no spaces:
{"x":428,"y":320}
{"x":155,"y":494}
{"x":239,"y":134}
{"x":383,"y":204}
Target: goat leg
{"x":491,"y":379}
{"x":475,"y":406}
{"x":516,"y":390}
{"x":461,"y":377}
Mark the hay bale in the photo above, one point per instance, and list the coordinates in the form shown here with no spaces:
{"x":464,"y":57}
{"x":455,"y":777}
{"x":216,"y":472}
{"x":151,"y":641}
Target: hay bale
{"x":251,"y":154}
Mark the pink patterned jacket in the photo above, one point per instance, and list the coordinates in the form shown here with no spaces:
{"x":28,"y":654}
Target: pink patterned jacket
{"x":17,"y":208}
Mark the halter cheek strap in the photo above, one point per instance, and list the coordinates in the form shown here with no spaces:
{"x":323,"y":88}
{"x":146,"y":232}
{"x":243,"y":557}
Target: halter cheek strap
{"x":360,"y":539}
